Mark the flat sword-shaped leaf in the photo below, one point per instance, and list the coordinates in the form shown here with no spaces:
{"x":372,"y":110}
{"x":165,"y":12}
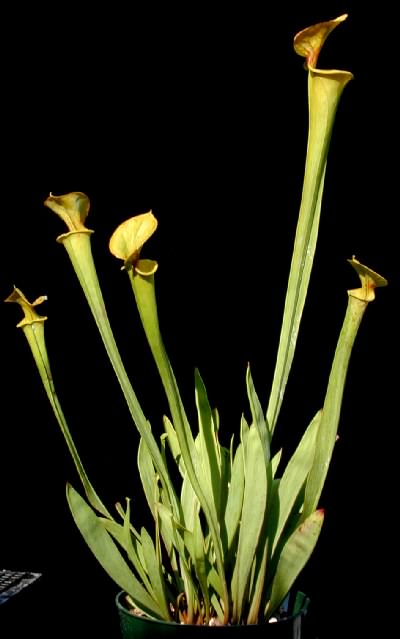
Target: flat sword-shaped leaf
{"x":108,"y":555}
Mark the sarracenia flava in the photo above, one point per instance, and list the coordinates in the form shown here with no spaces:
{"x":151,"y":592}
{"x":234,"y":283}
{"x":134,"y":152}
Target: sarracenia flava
{"x":231,"y":539}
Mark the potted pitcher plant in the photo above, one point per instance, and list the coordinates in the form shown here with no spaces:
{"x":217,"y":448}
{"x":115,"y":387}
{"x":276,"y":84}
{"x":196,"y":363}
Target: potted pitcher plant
{"x":231,"y":535}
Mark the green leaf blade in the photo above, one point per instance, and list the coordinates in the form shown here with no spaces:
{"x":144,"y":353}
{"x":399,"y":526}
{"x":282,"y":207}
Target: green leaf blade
{"x":295,"y":475}
{"x":234,"y":504}
{"x":258,"y":415}
{"x":108,"y":555}
{"x":252,"y":519}
{"x":148,"y":476}
{"x":154,"y":571}
{"x":293,"y":558}
{"x":209,"y":453}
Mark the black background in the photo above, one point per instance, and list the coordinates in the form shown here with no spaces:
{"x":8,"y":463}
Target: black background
{"x":199,"y":114}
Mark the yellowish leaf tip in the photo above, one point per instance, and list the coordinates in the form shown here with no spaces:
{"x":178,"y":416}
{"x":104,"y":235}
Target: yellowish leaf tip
{"x":309,"y":42}
{"x":128,"y":239}
{"x":370,"y":280}
{"x":72,"y":208}
{"x":30,"y":314}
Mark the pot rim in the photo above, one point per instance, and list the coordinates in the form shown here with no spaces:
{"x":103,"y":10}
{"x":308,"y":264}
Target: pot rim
{"x":305,"y":601}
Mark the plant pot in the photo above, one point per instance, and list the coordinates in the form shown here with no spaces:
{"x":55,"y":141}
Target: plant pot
{"x":288,"y":627}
